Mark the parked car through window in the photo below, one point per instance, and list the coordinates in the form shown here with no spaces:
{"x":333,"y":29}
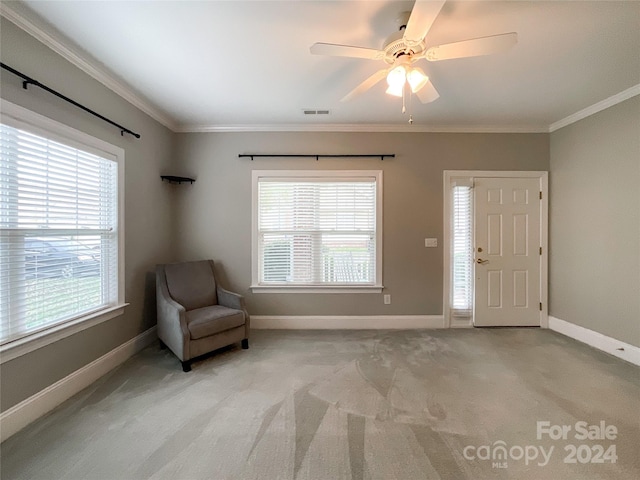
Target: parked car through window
{"x":61,"y":257}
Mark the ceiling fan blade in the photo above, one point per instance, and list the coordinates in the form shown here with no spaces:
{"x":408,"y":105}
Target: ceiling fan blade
{"x":334,"y":50}
{"x":422,"y":17}
{"x":366,"y":85}
{"x":472,"y":48}
{"x":428,"y":93}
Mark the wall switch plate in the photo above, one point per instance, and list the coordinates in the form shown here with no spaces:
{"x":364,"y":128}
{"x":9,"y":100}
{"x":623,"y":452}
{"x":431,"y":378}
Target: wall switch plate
{"x":387,"y":299}
{"x":430,"y":242}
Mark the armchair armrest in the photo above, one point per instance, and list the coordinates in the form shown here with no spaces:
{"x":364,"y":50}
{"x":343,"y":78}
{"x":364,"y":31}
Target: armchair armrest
{"x":172,"y":324}
{"x":229,"y":299}
{"x":234,"y":300}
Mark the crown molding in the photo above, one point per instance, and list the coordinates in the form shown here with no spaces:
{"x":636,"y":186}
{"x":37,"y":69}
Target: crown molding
{"x":375,"y":128}
{"x":18,"y":15}
{"x":596,"y":107}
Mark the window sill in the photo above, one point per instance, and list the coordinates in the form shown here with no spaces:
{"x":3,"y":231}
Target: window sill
{"x":22,"y":346}
{"x":316,"y":289}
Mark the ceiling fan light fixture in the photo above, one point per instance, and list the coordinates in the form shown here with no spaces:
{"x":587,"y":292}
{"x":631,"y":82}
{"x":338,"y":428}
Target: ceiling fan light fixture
{"x":395,"y":90}
{"x":396,"y":77}
{"x":417,"y":79}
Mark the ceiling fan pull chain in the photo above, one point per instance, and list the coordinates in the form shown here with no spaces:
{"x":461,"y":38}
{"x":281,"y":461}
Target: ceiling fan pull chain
{"x":410,"y":93}
{"x":404,"y":108}
{"x":410,"y":109}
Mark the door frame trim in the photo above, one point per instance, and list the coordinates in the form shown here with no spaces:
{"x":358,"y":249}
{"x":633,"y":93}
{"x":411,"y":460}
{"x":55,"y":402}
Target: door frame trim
{"x":448,"y":176}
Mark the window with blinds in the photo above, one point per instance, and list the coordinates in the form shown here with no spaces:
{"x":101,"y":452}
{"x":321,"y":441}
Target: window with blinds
{"x":58,"y":232}
{"x":317,"y":230}
{"x":462,"y":251}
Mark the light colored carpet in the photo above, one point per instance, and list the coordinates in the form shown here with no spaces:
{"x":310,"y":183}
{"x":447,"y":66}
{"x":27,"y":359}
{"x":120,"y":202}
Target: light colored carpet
{"x":359,"y":405}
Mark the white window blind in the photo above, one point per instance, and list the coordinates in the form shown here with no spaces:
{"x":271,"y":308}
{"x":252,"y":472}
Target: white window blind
{"x":462,"y":269}
{"x":58,"y":233}
{"x":317,"y":231}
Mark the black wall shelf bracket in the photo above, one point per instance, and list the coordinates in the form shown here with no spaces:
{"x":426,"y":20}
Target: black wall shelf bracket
{"x":30,"y":81}
{"x":382,"y":156}
{"x":174,"y":179}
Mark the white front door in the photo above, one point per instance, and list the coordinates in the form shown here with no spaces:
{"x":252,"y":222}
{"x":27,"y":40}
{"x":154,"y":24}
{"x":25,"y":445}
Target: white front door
{"x":507,"y":252}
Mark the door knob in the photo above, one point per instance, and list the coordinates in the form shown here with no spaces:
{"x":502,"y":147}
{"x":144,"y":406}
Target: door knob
{"x":481,"y":261}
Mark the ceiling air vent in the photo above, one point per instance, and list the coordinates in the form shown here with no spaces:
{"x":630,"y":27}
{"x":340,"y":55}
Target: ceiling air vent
{"x":316,"y":112}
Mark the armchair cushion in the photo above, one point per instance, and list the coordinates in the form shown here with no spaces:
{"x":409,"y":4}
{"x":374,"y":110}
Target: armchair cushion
{"x":206,"y":321}
{"x":191,"y":284}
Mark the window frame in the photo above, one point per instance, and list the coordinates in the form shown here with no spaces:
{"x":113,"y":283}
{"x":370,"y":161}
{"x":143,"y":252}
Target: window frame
{"x":325,"y":175}
{"x":22,"y":118}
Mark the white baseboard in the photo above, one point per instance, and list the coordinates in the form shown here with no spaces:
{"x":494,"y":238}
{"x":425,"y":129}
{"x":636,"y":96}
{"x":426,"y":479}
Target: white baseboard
{"x":34,"y":407}
{"x":346,"y":322}
{"x":620,"y":349}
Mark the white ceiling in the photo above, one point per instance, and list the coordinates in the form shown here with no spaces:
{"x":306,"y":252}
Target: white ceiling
{"x":207,"y":65}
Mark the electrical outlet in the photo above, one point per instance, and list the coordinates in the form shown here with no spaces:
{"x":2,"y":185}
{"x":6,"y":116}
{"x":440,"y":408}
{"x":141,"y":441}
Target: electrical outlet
{"x":430,"y":242}
{"x":387,"y":299}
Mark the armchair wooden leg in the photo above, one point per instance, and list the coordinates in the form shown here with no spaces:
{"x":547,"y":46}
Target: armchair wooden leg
{"x":186,"y":366}
{"x":245,"y":343}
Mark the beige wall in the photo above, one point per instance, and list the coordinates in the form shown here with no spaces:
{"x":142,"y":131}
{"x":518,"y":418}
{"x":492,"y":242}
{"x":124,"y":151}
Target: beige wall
{"x":214,"y":214}
{"x":595,"y":222}
{"x":148,"y":204}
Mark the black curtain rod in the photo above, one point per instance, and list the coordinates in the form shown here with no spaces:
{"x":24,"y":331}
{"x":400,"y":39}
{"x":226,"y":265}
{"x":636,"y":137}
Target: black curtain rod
{"x":373,"y":155}
{"x":30,"y":81}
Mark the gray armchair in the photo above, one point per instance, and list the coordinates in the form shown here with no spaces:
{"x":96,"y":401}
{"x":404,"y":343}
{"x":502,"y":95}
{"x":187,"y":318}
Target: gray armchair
{"x":195,"y":316}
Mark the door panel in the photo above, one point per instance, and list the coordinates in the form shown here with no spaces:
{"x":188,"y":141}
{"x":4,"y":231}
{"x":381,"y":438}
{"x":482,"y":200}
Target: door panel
{"x":520,"y":288}
{"x":507,"y":241}
{"x":494,"y":234}
{"x":520,"y":235}
{"x":494,"y":288}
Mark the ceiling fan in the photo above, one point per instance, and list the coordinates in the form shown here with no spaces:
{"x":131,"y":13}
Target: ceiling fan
{"x":405,"y":47}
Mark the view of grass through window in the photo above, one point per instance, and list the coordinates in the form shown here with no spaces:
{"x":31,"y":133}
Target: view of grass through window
{"x":67,"y":303}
